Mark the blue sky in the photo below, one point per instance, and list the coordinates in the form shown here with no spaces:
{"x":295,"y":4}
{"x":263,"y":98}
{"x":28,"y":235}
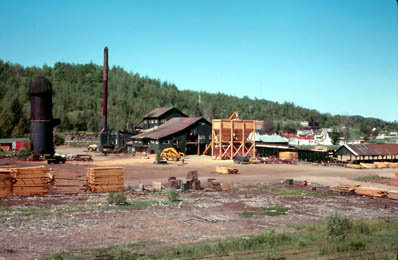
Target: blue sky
{"x":336,"y":56}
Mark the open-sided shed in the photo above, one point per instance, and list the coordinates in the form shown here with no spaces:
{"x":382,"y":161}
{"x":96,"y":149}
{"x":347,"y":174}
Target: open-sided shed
{"x":368,"y":152}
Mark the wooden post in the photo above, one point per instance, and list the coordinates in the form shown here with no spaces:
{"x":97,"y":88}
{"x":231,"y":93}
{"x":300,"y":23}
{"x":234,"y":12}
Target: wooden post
{"x":243,"y":139}
{"x":232,"y":140}
{"x":198,"y":146}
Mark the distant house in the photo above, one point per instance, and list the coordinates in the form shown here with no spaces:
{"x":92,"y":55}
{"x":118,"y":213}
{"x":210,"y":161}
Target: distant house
{"x":188,"y":134}
{"x":14,"y":144}
{"x":159,"y":116}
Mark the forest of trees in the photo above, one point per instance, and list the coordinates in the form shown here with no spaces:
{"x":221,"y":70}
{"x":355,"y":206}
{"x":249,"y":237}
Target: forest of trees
{"x":77,"y":101}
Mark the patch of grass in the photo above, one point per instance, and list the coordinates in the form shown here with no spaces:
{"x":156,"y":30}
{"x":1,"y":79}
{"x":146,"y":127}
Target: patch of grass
{"x":338,"y":226}
{"x":173,"y":195}
{"x":369,"y":178}
{"x":265,"y":211}
{"x":308,"y":242}
{"x":117,"y":198}
{"x":280,"y":190}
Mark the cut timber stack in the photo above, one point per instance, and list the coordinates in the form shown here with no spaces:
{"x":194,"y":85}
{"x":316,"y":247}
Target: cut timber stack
{"x":69,"y":182}
{"x":226,"y":170}
{"x":368,"y":165}
{"x":353,"y":166}
{"x":31,"y":181}
{"x":105,"y":179}
{"x":6,"y":182}
{"x":348,"y":188}
{"x":371,"y":192}
{"x":288,"y":155}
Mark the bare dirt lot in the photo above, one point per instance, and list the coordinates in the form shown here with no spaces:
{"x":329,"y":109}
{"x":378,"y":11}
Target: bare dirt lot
{"x":35,"y":226}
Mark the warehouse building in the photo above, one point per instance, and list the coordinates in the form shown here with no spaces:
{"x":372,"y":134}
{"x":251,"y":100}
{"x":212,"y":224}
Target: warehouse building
{"x":187,"y":134}
{"x":368,"y":152}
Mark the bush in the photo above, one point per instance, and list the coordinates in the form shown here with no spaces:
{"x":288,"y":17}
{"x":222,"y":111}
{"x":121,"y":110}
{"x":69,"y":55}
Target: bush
{"x":122,"y":253}
{"x":117,"y":198}
{"x":59,"y":139}
{"x":173,"y":195}
{"x":23,"y":153}
{"x":338,"y":226}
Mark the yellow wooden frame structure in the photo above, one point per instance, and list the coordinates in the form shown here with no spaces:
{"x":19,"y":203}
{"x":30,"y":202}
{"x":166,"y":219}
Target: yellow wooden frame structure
{"x":230,"y":138}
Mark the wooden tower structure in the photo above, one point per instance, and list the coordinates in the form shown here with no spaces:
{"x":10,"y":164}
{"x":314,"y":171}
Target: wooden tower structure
{"x":229,"y":138}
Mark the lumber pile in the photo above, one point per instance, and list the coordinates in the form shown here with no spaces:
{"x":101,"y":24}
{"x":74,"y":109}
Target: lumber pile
{"x":31,"y":181}
{"x":288,"y":155}
{"x":6,"y":182}
{"x":213,"y":184}
{"x":368,"y":165}
{"x":105,"y":179}
{"x":353,"y":166}
{"x":381,"y":165}
{"x":365,"y":191}
{"x":226,"y":170}
{"x":346,"y":188}
{"x":69,"y":182}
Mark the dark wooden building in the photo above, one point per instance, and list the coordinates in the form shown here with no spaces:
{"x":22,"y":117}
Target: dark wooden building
{"x":187,"y":134}
{"x":159,"y":116}
{"x":368,"y":152}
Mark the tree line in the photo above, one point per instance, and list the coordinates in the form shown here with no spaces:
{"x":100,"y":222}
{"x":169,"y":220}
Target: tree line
{"x":77,"y":101}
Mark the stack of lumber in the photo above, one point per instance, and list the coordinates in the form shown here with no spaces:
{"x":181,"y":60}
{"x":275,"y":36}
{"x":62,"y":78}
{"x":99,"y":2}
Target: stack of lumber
{"x":6,"y":182}
{"x":366,"y":191}
{"x":105,"y":179}
{"x":393,"y":165}
{"x":288,"y":155}
{"x":348,"y":188}
{"x":69,"y":182}
{"x":226,"y":170}
{"x":368,"y":165}
{"x":31,"y":181}
{"x":213,"y":184}
{"x":353,"y":166}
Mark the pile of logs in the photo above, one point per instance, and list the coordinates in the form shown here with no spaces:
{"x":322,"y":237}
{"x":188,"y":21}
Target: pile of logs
{"x":288,"y":155}
{"x":26,"y":181}
{"x":226,"y":170}
{"x":105,"y":179}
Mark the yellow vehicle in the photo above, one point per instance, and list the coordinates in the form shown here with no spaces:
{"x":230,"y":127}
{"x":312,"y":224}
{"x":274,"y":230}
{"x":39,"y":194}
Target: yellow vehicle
{"x":171,"y":154}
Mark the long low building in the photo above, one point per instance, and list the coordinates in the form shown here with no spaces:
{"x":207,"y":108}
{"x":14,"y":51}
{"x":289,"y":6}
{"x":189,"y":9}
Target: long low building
{"x":188,"y":134}
{"x":368,"y":152}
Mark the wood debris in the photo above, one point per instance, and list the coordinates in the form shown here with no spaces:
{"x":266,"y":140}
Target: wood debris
{"x":226,"y":170}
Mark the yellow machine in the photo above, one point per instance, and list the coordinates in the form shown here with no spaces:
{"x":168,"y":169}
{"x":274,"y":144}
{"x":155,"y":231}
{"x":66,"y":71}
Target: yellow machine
{"x":171,"y":154}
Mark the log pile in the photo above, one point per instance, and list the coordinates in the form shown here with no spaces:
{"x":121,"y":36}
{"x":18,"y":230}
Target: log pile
{"x":105,"y":179}
{"x":31,"y":181}
{"x":226,"y":170}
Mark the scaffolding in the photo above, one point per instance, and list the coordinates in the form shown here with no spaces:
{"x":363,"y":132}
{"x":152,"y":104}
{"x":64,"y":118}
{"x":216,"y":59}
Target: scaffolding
{"x":230,"y":138}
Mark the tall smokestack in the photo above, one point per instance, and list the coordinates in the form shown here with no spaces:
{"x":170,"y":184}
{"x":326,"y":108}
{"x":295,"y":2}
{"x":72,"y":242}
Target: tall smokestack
{"x":105,"y":92}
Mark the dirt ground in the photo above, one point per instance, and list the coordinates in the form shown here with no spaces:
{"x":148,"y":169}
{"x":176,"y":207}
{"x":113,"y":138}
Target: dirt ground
{"x":199,"y":216}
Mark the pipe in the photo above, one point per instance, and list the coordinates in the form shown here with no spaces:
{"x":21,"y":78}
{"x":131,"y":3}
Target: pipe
{"x":105,"y":92}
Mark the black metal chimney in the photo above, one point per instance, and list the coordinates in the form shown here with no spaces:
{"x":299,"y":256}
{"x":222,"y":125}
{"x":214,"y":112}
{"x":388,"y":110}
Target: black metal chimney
{"x":105,"y":92}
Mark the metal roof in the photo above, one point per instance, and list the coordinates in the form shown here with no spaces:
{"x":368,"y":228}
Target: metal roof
{"x":172,"y":126}
{"x":372,"y":149}
{"x":157,"y":112}
{"x":268,"y":138}
{"x":11,"y":140}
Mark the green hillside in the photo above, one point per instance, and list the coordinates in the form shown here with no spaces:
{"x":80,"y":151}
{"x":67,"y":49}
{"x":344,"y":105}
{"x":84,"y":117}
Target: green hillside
{"x":78,"y":101}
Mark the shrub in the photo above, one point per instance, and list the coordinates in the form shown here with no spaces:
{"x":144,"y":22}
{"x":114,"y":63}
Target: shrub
{"x":173,"y":195}
{"x":122,"y":253}
{"x":117,"y":198}
{"x":338,"y":226}
{"x":59,"y":139}
{"x":23,"y":153}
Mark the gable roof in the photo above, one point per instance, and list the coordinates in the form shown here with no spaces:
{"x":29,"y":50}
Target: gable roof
{"x":172,"y":126}
{"x":157,"y":112}
{"x":268,"y":138}
{"x":371,"y":149}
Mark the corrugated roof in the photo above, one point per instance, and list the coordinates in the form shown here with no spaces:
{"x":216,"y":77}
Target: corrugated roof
{"x":372,"y":149}
{"x":268,"y":138}
{"x":172,"y":126}
{"x":158,"y":112}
